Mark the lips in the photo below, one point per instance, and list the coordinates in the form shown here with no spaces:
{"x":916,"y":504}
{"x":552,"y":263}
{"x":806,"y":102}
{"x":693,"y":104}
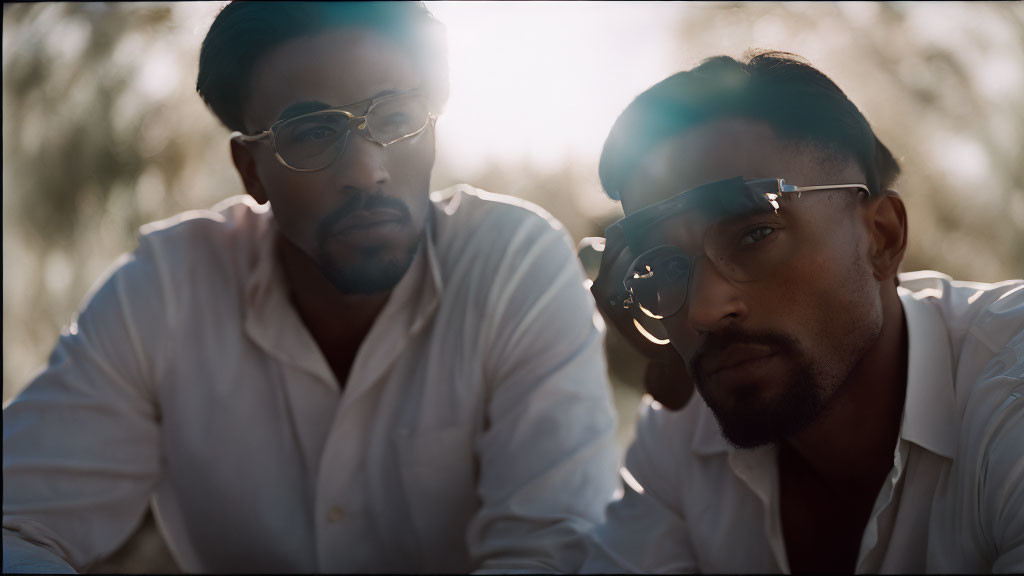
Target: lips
{"x":736,"y":356}
{"x":367,"y":219}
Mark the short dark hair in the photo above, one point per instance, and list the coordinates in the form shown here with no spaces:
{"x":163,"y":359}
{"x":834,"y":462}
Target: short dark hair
{"x":244,"y":32}
{"x":799,"y":102}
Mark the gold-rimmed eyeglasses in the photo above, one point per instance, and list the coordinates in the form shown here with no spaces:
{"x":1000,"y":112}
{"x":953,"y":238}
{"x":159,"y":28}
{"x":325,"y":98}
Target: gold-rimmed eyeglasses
{"x":743,"y":246}
{"x":314,"y":141}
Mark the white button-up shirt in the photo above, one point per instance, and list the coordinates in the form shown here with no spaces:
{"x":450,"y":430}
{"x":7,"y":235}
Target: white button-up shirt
{"x":475,"y":430}
{"x":953,"y":501}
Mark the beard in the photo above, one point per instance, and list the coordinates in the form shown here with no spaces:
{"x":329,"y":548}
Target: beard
{"x":749,"y":418}
{"x":373,"y":269}
{"x":373,"y":273}
{"x":844,"y":328}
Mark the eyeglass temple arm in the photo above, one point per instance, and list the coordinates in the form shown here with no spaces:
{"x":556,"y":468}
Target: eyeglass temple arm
{"x":783,"y":187}
{"x":252,"y":137}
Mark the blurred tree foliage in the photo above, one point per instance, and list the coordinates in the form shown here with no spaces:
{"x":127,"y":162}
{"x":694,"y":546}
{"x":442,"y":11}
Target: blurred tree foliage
{"x":103,"y":131}
{"x":941,"y":83}
{"x":943,"y":86}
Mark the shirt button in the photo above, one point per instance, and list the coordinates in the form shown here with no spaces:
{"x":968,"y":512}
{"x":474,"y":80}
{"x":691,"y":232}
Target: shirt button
{"x":335,"y":514}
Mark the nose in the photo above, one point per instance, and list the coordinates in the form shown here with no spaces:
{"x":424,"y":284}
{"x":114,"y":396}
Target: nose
{"x":713,"y":302}
{"x":362,"y":164}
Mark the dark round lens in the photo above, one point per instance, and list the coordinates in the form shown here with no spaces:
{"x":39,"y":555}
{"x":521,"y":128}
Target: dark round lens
{"x":313,"y":141}
{"x":658,"y":281}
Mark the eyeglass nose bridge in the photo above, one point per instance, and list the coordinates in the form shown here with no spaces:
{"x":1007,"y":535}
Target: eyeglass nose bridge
{"x":360,"y":129}
{"x":358,"y":125}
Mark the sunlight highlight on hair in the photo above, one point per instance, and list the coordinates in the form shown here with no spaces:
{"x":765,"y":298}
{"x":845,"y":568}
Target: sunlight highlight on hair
{"x":542,"y":82}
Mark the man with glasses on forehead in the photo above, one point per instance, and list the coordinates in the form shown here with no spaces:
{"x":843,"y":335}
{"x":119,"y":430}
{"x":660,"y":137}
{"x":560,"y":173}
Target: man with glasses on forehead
{"x":848,"y":418}
{"x":336,"y":372}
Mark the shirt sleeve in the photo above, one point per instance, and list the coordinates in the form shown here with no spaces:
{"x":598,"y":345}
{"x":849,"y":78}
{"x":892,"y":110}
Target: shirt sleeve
{"x":81,"y":448}
{"x":548,"y":452}
{"x":644,"y":532}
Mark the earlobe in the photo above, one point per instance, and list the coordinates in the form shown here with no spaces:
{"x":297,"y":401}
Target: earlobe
{"x":888,"y":225}
{"x":246,"y":166}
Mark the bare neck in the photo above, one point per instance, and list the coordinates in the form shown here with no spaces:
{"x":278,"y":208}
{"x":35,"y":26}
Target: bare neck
{"x":320,"y":305}
{"x":850,"y":447}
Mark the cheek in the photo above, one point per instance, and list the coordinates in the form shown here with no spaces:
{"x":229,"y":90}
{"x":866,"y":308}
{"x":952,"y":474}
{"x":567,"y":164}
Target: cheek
{"x":297,"y":200}
{"x":410,"y":168}
{"x":411,"y":162}
{"x":835,"y":292}
{"x":300,"y":200}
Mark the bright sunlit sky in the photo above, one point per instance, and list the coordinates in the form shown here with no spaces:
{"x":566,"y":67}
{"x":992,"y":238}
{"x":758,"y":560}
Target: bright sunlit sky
{"x":542,"y":82}
{"x":535,"y":86}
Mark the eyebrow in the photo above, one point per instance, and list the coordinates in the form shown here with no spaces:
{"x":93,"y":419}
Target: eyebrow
{"x":300,"y":108}
{"x":308,"y":106}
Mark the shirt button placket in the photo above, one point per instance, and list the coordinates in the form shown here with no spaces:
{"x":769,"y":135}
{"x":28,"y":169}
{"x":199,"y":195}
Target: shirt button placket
{"x":335,"y":513}
{"x":330,"y":530}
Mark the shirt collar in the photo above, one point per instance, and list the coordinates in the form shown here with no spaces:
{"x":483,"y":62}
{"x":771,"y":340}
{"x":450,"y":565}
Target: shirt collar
{"x":929,"y":413}
{"x":432,"y":283}
{"x":273,"y":323}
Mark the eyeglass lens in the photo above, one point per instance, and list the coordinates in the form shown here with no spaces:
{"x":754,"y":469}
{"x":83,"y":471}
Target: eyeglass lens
{"x":315,"y":140}
{"x":742,"y":249}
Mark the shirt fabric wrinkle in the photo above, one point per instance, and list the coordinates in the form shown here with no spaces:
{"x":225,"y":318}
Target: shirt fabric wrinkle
{"x":267,"y":464}
{"x":965,"y":357}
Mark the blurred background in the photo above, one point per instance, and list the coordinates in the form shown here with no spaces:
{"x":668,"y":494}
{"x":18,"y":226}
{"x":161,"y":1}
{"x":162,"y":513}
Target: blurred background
{"x":103,"y":131}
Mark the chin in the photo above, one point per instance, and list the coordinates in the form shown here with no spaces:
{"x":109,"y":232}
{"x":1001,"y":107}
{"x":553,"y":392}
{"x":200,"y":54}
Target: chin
{"x":375,"y":270}
{"x":750,"y":417}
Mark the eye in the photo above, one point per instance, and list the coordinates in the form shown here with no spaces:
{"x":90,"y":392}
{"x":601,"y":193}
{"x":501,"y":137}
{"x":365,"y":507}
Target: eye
{"x":756,"y":234}
{"x":314,"y":133}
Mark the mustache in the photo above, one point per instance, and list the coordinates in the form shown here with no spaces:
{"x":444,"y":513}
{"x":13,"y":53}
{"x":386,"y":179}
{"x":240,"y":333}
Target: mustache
{"x":356,"y":203}
{"x":715,"y":344}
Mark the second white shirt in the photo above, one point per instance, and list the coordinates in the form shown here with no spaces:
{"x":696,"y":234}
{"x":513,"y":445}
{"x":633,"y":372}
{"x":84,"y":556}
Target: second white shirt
{"x":475,"y":431}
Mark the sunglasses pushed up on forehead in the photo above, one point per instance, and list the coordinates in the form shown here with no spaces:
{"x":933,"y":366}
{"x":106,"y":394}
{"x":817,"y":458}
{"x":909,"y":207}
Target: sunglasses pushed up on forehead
{"x":742,"y":223}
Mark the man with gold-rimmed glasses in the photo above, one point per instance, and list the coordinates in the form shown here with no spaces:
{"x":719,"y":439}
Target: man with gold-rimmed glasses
{"x":313,"y":141}
{"x":336,"y":372}
{"x":848,"y":419}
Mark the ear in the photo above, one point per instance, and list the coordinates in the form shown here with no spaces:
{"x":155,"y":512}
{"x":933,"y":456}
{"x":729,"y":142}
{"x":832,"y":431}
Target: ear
{"x":887,"y":225}
{"x":246,"y":166}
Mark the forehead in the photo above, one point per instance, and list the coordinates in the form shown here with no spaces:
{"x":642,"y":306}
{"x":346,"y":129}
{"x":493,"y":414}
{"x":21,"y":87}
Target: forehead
{"x":727,"y":148}
{"x":337,"y":67}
